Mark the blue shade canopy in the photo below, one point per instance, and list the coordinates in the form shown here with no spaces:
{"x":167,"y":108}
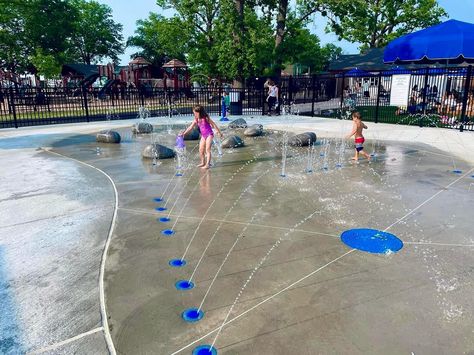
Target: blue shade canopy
{"x":451,"y":41}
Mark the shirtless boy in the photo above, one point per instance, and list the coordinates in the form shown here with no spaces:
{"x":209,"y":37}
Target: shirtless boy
{"x":357,"y":128}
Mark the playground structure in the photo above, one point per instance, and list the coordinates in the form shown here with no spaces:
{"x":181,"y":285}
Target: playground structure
{"x":139,"y":73}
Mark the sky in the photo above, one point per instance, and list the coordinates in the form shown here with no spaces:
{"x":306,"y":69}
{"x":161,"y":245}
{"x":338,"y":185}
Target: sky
{"x":128,"y":12}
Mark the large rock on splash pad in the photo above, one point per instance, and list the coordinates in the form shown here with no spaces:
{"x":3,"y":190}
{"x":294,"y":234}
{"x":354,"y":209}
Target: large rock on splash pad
{"x":232,"y":142}
{"x":108,"y":137}
{"x":142,"y":128}
{"x":161,"y":152}
{"x":254,"y":130}
{"x":302,"y":140}
{"x":193,"y":135}
{"x":238,"y":123}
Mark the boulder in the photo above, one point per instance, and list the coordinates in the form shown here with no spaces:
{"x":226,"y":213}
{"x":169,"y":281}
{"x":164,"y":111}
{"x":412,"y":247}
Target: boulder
{"x":192,"y":135}
{"x":162,"y":152}
{"x":108,"y":137}
{"x":303,"y":139}
{"x":238,"y":123}
{"x":232,"y":142}
{"x":254,"y":130}
{"x":142,"y":128}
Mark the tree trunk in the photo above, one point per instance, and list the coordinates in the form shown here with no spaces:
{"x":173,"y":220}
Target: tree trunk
{"x":280,"y":35}
{"x":238,"y":33}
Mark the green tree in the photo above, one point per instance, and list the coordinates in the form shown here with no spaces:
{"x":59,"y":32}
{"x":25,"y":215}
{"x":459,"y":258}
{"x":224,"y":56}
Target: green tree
{"x":251,"y":55}
{"x":95,"y":35}
{"x":375,"y":23}
{"x":161,"y":39}
{"x":13,"y":49}
{"x":201,"y":17}
{"x":46,"y":64}
{"x":33,"y":30}
{"x":49,"y":25}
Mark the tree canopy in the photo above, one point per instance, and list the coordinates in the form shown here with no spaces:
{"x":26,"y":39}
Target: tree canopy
{"x":230,"y":39}
{"x":40,"y":35}
{"x":375,"y":23}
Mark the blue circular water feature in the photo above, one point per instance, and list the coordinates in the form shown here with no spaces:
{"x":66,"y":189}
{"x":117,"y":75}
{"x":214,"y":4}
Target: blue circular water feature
{"x":205,"y":350}
{"x":158,"y":199}
{"x":371,"y":241}
{"x":167,"y":232}
{"x":192,"y":315}
{"x":184,"y":285}
{"x":177,"y":263}
{"x":457,"y":171}
{"x":163,"y":219}
{"x":161,"y":209}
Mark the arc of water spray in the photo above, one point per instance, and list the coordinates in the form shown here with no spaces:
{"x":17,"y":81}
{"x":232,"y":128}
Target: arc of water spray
{"x":184,"y":188}
{"x":215,"y":199}
{"x":172,"y":179}
{"x":256,"y":269}
{"x":284,"y":153}
{"x":264,"y":204}
{"x":229,"y":211}
{"x":309,"y":165}
{"x":187,"y":201}
{"x":269,"y":298}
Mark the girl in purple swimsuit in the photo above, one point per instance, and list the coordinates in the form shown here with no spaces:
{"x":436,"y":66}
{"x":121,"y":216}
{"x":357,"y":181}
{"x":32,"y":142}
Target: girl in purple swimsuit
{"x":205,"y":124}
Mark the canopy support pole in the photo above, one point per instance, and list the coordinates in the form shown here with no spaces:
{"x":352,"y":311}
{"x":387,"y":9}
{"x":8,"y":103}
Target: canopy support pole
{"x":467,"y":86}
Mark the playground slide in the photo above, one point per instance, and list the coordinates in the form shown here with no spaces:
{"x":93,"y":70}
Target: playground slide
{"x":106,"y":87}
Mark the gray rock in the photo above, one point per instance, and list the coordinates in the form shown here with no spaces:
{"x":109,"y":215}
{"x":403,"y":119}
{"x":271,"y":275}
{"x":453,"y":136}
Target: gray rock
{"x":193,"y":135}
{"x":238,"y":123}
{"x":254,"y":130}
{"x":108,"y":137}
{"x":162,"y":152}
{"x":303,"y":139}
{"x":232,"y":142}
{"x":142,"y":128}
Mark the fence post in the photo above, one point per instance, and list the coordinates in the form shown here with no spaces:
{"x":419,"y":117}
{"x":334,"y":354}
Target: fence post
{"x":467,"y":86}
{"x":290,"y":89}
{"x":86,"y":104}
{"x":313,"y":88}
{"x":12,"y":106}
{"x":263,"y":100}
{"x":424,"y":97}
{"x":342,"y":94}
{"x":378,"y":98}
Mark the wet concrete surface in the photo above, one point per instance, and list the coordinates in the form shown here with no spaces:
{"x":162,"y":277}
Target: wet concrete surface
{"x":54,"y":222}
{"x":417,"y":300}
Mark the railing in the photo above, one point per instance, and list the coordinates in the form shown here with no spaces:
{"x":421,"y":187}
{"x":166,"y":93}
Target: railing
{"x":28,"y":107}
{"x":437,"y":97}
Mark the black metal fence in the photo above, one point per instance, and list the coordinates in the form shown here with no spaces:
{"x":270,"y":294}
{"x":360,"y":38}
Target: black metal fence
{"x":441,"y":97}
{"x":436,"y":97}
{"x":29,"y":107}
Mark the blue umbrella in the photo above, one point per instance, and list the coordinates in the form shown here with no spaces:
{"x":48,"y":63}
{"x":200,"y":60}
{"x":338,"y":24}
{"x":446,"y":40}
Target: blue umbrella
{"x":430,"y":71}
{"x":356,"y":72}
{"x":396,"y":70}
{"x":451,"y":41}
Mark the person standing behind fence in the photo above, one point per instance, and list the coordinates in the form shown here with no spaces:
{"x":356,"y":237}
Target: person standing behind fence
{"x":272,"y":97}
{"x":366,"y":86}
